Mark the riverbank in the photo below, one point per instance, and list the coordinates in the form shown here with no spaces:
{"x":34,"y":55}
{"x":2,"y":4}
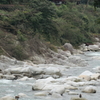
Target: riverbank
{"x":51,"y":81}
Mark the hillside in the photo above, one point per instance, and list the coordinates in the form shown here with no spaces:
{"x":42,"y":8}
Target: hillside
{"x":29,"y":29}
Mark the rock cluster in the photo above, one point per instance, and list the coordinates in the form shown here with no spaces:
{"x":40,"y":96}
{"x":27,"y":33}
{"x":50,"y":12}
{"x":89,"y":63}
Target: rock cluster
{"x":50,"y":78}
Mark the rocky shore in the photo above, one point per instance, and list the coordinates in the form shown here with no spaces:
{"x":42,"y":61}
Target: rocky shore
{"x":51,"y":78}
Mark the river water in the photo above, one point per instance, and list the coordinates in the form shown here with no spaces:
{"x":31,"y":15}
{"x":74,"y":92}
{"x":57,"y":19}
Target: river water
{"x":9,"y":87}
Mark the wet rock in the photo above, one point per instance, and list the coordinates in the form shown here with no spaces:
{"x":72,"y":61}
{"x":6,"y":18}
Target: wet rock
{"x":24,"y":79}
{"x":75,"y":98}
{"x":85,"y":77}
{"x":1,"y":76}
{"x":56,"y":95}
{"x":27,"y":70}
{"x":22,"y":95}
{"x":83,"y":47}
{"x":43,"y":93}
{"x":77,"y":60}
{"x":72,"y":93}
{"x":93,"y":47}
{"x":97,"y":69}
{"x":89,"y":89}
{"x":65,"y":53}
{"x":88,"y":73}
{"x":52,"y":71}
{"x":58,"y":89}
{"x":41,"y":83}
{"x":95,"y":76}
{"x":9,"y":77}
{"x":70,"y":87}
{"x":7,"y":98}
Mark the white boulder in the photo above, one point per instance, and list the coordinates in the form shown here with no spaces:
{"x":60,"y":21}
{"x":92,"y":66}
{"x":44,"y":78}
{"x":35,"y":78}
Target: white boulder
{"x":95,"y":76}
{"x":52,"y":71}
{"x":83,"y":47}
{"x":69,"y":47}
{"x":93,"y":47}
{"x":7,"y":98}
{"x":87,"y":73}
{"x":77,"y":61}
{"x":41,"y":83}
{"x":72,"y":93}
{"x":97,"y":69}
{"x":43,"y":93}
{"x":89,"y":89}
{"x":56,"y":95}
{"x":75,"y":98}
{"x":22,"y":95}
{"x":9,"y":77}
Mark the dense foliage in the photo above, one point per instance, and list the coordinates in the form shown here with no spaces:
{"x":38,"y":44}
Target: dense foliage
{"x":54,"y":23}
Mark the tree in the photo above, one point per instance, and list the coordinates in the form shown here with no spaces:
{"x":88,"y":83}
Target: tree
{"x":96,"y":3}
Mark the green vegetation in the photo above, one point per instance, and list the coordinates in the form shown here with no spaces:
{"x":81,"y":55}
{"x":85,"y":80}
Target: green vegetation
{"x":51,"y":23}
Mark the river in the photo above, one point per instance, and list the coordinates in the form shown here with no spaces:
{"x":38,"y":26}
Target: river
{"x":9,"y":87}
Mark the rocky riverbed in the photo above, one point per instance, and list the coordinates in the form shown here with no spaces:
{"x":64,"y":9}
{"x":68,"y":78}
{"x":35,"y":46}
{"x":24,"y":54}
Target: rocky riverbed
{"x":80,"y":74}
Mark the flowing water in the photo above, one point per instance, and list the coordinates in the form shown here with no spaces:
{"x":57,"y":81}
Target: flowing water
{"x":9,"y":87}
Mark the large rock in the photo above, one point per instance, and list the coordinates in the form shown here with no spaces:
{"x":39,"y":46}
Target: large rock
{"x":89,"y":89}
{"x":56,"y":95}
{"x":1,"y":76}
{"x":93,"y":47}
{"x":97,"y":69}
{"x":9,"y":77}
{"x":52,"y":71}
{"x":72,"y":93}
{"x":65,"y":53}
{"x":74,"y":98}
{"x":22,"y":95}
{"x":60,"y":89}
{"x":41,"y":83}
{"x":43,"y":93}
{"x":95,"y":76}
{"x":86,"y":75}
{"x":7,"y":98}
{"x":69,"y":47}
{"x":83,"y":47}
{"x":27,"y":69}
{"x":77,"y":61}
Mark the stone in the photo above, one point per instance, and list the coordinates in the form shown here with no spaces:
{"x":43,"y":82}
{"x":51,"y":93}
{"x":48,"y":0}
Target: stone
{"x":1,"y":76}
{"x":43,"y":93}
{"x":77,"y":60}
{"x":41,"y":83}
{"x":22,"y":95}
{"x":72,"y":93}
{"x":95,"y":76}
{"x":89,"y":89}
{"x":56,"y":95}
{"x":75,"y":98}
{"x":7,"y":98}
{"x":85,"y":77}
{"x":86,"y":73}
{"x":69,"y":47}
{"x":97,"y":69}
{"x":93,"y":47}
{"x":9,"y":77}
{"x":83,"y":47}
{"x":52,"y":71}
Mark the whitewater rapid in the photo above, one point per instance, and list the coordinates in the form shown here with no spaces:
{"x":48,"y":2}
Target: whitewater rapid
{"x":14,"y":87}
